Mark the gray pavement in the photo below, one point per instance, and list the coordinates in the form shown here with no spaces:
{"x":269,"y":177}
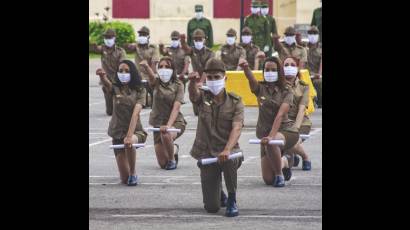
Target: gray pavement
{"x":173,"y":199}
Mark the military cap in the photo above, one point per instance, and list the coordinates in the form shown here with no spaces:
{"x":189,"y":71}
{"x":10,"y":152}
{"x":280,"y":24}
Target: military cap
{"x":290,"y":30}
{"x":109,"y":32}
{"x":198,"y":33}
{"x":175,"y":34}
{"x":144,"y":29}
{"x":246,"y":30}
{"x":313,"y":29}
{"x":231,"y":32}
{"x":214,"y":64}
{"x":199,"y":8}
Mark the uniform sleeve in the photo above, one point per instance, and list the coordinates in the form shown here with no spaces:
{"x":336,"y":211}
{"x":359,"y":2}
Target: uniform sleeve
{"x":189,"y":34}
{"x":155,"y":56}
{"x":243,"y":54}
{"x":257,"y":90}
{"x":267,"y":30}
{"x":180,"y":93}
{"x":274,"y":28}
{"x":313,"y":23}
{"x":239,"y":112}
{"x":304,"y":56}
{"x":141,"y":97}
{"x":305,"y":97}
{"x":210,"y":35}
{"x":123,"y":55}
{"x":288,"y":98}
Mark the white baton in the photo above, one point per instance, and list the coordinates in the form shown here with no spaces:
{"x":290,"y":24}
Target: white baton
{"x":121,"y":146}
{"x":271,"y":142}
{"x":168,"y":130}
{"x":213,"y":160}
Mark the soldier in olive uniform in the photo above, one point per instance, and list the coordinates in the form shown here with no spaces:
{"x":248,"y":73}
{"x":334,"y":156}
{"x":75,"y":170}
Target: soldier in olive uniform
{"x":165,"y":114}
{"x":317,"y":20}
{"x":290,"y":48}
{"x":260,"y":27}
{"x":125,"y":126}
{"x":220,"y":121}
{"x":200,"y":22}
{"x":178,"y":56}
{"x":315,"y":62}
{"x":253,"y":54}
{"x":272,"y":25}
{"x":199,"y":54}
{"x":296,"y":113}
{"x":274,"y":99}
{"x":230,"y":52}
{"x":145,"y":51}
{"x":111,"y":56}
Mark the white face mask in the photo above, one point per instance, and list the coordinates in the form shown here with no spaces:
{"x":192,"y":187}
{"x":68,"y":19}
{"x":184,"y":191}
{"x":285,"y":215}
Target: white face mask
{"x":246,"y":39}
{"x":199,"y":15}
{"x":165,"y":74}
{"x":216,"y":86}
{"x":290,"y":71}
{"x":199,"y":45}
{"x":313,"y":38}
{"x":290,"y":39}
{"x":255,"y":10}
{"x":230,"y":40}
{"x":174,"y":43}
{"x":142,"y":40}
{"x":264,"y":11}
{"x":124,"y":77}
{"x":270,"y":76}
{"x":109,"y":42}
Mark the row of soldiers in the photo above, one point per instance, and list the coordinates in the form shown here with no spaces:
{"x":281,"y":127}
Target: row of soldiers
{"x":309,"y":56}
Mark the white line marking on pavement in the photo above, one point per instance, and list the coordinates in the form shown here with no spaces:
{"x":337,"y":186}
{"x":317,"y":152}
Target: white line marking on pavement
{"x":316,"y":130}
{"x":215,"y":216}
{"x":99,"y":142}
{"x":96,"y":103}
{"x":248,"y":159}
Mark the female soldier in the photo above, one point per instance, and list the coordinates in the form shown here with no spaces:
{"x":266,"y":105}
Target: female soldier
{"x":296,"y":113}
{"x":125,"y":126}
{"x":167,"y":99}
{"x":274,"y":99}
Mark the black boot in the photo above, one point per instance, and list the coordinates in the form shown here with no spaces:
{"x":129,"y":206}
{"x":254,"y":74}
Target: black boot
{"x":224,"y":199}
{"x":231,"y":208}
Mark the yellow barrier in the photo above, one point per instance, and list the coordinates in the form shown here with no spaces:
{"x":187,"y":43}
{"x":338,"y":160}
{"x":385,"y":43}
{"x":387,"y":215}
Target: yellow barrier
{"x":238,"y":83}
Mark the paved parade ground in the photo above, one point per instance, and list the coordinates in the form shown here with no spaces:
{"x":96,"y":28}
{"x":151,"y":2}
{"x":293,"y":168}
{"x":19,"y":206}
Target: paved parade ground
{"x":173,"y":199}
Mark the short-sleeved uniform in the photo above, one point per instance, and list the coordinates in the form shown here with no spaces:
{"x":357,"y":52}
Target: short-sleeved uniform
{"x":230,"y":55}
{"x":145,"y":52}
{"x":110,"y":60}
{"x":300,"y":92}
{"x":165,"y":95}
{"x":294,"y":50}
{"x":270,"y":98}
{"x":251,"y":51}
{"x":124,"y":101}
{"x":215,"y":124}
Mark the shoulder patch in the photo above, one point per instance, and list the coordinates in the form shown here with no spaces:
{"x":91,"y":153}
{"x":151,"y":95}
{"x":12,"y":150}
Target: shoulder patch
{"x":233,"y":95}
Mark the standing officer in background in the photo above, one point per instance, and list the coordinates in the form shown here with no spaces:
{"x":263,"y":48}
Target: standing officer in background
{"x":200,"y":22}
{"x":231,"y":52}
{"x":272,"y":25}
{"x":199,"y":54}
{"x":111,"y":56}
{"x":315,"y":62}
{"x":259,"y":25}
{"x":145,"y":51}
{"x":291,"y":48}
{"x":220,"y":121}
{"x":177,"y":54}
{"x":317,"y":20}
{"x":250,"y":48}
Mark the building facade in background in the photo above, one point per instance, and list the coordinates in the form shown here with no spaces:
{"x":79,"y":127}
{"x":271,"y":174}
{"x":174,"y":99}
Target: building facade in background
{"x":164,"y":16}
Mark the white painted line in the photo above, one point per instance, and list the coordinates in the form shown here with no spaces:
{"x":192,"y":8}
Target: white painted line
{"x":248,"y":159}
{"x":214,"y":216}
{"x":99,"y":142}
{"x":316,"y":130}
{"x":97,"y":103}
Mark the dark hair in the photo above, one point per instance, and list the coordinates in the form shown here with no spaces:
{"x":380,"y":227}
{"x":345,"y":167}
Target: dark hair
{"x":135,"y":81}
{"x":171,"y":63}
{"x":281,"y":74}
{"x":297,"y":64}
